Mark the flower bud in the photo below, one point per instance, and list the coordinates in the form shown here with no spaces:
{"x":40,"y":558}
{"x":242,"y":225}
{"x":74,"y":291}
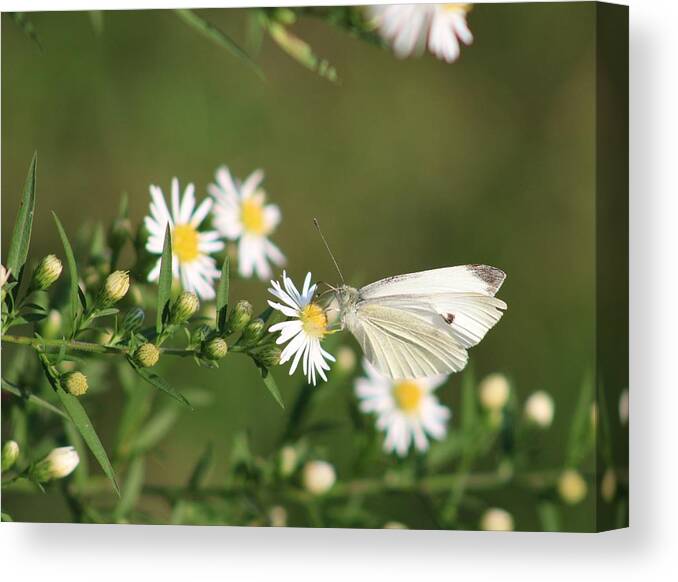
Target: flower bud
{"x":494,"y":392}
{"x":394,"y":525}
{"x":240,"y":316}
{"x":61,"y":462}
{"x":572,"y":487}
{"x":346,"y":359}
{"x":318,"y":477}
{"x":277,"y":516}
{"x":133,"y":321}
{"x":215,"y":348}
{"x":254,"y":331}
{"x":288,"y":460}
{"x":269,"y":356}
{"x":75,"y":383}
{"x":51,"y":325}
{"x":115,"y":288}
{"x":186,"y":305}
{"x":624,"y":407}
{"x":539,"y":409}
{"x":608,"y":485}
{"x":46,"y":273}
{"x":147,"y":355}
{"x":496,"y":519}
{"x":10,"y":453}
{"x":4,"y":275}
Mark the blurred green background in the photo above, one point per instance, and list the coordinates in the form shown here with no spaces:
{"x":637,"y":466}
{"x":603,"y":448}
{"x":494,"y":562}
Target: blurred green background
{"x":408,"y":165}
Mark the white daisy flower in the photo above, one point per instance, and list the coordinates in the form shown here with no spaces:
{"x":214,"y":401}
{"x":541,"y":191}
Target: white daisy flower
{"x":191,"y":248}
{"x":240,"y":213}
{"x":408,"y":28}
{"x":407,"y":410}
{"x":304,"y":331}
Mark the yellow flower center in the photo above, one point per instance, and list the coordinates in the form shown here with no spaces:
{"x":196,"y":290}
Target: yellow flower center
{"x":185,"y":242}
{"x":408,"y":395}
{"x":313,"y":320}
{"x":252,"y":216}
{"x":457,"y":7}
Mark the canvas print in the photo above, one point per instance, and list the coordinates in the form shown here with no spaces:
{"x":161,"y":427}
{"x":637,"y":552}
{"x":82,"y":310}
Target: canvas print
{"x":338,"y":266}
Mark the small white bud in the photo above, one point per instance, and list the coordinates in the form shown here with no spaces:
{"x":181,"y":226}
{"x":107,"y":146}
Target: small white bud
{"x":4,"y":275}
{"x":277,"y":516}
{"x":288,"y":460}
{"x":318,"y":477}
{"x":10,"y":453}
{"x":75,"y":383}
{"x":608,"y":485}
{"x":496,"y":519}
{"x":572,"y":487}
{"x":346,"y":359}
{"x":60,"y":463}
{"x":47,"y":272}
{"x":539,"y":409}
{"x":115,"y":287}
{"x":624,"y":407}
{"x":494,"y":392}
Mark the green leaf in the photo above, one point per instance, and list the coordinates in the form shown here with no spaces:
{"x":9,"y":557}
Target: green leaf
{"x":161,"y":384}
{"x":218,"y":36}
{"x":81,"y":473}
{"x":74,"y":290}
{"x":27,"y":27}
{"x":581,"y":430}
{"x":32,"y":398}
{"x":202,"y":468}
{"x":5,"y":516}
{"x":222,"y":294}
{"x":79,"y":417}
{"x":21,"y":237}
{"x":164,"y":281}
{"x":270,"y":383}
{"x":301,"y":51}
{"x":131,"y":489}
{"x":156,"y":428}
{"x":96,"y":17}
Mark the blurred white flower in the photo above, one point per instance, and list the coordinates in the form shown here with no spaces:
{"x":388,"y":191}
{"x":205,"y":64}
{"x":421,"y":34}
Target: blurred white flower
{"x":494,"y":392}
{"x":318,"y":477}
{"x":496,"y":519}
{"x":394,"y":525}
{"x":191,"y":261}
{"x":304,"y":331}
{"x":407,"y":410}
{"x":240,"y":213}
{"x":624,"y":407}
{"x":572,"y":486}
{"x":288,"y":460}
{"x":409,"y":28}
{"x":539,"y":409}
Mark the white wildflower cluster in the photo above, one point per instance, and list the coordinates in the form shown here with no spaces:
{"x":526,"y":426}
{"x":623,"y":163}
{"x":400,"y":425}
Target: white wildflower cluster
{"x":238,"y":213}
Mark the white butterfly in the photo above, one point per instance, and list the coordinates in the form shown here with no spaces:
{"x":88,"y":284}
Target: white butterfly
{"x":420,"y":324}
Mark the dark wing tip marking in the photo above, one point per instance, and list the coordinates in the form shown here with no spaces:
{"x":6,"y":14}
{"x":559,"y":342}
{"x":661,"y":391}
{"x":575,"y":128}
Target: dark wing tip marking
{"x":492,"y":276}
{"x":449,"y":318}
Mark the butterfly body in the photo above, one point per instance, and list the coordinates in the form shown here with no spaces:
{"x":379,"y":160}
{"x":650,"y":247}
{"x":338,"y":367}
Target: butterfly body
{"x":421,"y":324}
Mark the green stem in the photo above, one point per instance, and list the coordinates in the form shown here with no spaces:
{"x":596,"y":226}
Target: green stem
{"x":81,"y":346}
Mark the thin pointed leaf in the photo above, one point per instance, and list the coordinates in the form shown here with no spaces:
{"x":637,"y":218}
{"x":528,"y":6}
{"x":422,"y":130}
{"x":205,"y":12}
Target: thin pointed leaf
{"x":21,"y":237}
{"x":222,"y":294}
{"x":164,"y":280}
{"x":156,"y":428}
{"x":79,"y":417}
{"x":207,"y":29}
{"x":32,"y":398}
{"x":74,"y":290}
{"x":270,"y":383}
{"x":131,"y":489}
{"x":202,"y":468}
{"x":161,"y":384}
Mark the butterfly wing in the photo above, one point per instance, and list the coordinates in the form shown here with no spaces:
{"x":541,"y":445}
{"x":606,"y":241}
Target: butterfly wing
{"x":463,"y":296}
{"x":410,"y":341}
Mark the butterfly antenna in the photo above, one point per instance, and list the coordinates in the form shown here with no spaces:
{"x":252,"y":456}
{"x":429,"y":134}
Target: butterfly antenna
{"x":336,"y":265}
